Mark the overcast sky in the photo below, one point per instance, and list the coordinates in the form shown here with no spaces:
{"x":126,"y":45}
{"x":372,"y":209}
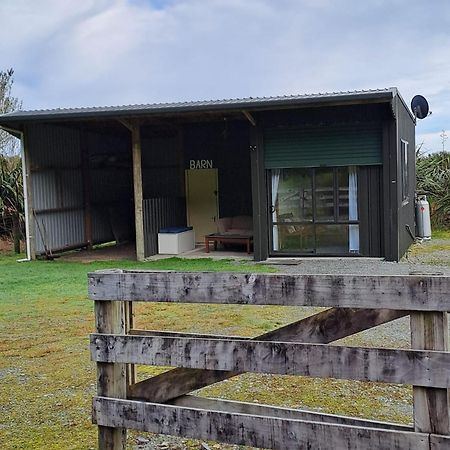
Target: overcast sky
{"x":108,"y":52}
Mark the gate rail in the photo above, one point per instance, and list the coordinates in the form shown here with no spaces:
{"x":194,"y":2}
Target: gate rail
{"x":163,"y":404}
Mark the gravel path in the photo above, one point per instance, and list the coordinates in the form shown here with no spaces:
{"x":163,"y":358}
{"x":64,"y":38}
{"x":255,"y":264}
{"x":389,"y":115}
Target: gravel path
{"x":428,"y":257}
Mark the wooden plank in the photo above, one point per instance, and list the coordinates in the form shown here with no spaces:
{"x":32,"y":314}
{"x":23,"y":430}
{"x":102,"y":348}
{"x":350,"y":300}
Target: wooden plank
{"x":439,"y":442}
{"x":324,"y":327}
{"x":418,"y":292}
{"x":138,"y":194}
{"x":429,"y":331}
{"x":111,"y":378}
{"x":243,"y":429}
{"x":417,"y":367}
{"x":192,"y":401}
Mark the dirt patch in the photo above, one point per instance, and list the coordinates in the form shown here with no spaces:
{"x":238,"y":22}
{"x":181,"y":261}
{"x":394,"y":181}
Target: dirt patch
{"x":6,"y":245}
{"x":109,"y":253}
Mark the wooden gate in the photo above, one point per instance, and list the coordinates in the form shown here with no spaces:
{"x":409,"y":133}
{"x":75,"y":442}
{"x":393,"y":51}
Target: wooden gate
{"x":162,"y":404}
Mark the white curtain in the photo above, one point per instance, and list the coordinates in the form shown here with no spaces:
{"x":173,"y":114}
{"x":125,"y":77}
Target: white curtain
{"x":353,"y":230}
{"x":275,"y":184}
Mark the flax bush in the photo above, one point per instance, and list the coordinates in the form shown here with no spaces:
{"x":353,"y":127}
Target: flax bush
{"x":11,"y":199}
{"x":433,"y":179}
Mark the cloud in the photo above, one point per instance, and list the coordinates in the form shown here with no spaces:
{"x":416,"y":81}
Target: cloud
{"x":99,"y":52}
{"x":432,"y":142}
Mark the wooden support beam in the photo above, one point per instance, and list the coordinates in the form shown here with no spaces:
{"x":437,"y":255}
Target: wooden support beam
{"x":138,"y":191}
{"x":324,"y":327}
{"x":401,"y":292}
{"x":30,"y":221}
{"x":249,"y":117}
{"x":127,"y":124}
{"x":111,"y":378}
{"x":134,"y":126}
{"x":255,"y":431}
{"x":429,"y":331}
{"x":229,"y":406}
{"x":87,"y":188}
{"x":416,"y":367}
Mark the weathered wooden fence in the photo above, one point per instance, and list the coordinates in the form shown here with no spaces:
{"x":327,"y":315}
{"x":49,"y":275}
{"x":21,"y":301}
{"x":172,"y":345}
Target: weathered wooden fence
{"x":162,"y":404}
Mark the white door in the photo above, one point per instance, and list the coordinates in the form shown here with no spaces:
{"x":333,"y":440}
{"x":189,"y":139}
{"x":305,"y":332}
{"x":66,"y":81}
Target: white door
{"x":202,"y":201}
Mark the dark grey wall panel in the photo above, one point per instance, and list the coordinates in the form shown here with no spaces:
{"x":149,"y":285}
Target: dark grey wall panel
{"x":162,"y":171}
{"x":227,"y":145}
{"x":370,"y":210}
{"x":406,"y":209}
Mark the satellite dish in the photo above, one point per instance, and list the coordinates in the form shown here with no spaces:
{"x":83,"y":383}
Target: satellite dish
{"x":419,"y":106}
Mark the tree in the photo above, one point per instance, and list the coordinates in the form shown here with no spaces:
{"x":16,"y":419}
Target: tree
{"x":9,"y":145}
{"x":11,"y":183}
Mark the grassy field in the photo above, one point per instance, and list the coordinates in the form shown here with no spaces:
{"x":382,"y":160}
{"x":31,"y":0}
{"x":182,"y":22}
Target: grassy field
{"x":47,"y":379}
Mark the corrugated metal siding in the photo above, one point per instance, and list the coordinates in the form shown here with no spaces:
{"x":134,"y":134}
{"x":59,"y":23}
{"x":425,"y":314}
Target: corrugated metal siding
{"x":160,"y":213}
{"x":111,"y":185}
{"x":161,"y":166}
{"x":332,"y":145}
{"x":101,"y":226}
{"x":59,"y":230}
{"x":57,"y":188}
{"x":53,"y":146}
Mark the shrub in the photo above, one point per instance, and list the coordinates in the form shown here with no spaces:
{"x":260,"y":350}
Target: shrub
{"x":433,"y":179}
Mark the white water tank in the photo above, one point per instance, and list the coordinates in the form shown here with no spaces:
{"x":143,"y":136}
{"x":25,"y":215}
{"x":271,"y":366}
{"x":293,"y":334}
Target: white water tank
{"x":423,"y":217}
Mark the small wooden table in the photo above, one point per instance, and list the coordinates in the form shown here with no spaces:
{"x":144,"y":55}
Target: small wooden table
{"x":228,"y":239}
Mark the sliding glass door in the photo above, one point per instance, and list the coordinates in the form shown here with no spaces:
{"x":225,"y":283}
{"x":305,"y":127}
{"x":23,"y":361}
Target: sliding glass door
{"x":314,"y":211}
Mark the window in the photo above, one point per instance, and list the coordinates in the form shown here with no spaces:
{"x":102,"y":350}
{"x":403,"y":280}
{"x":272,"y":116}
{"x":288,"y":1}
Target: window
{"x":315,"y":210}
{"x":404,"y":169}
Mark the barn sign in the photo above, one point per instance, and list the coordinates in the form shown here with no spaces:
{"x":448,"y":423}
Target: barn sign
{"x":200,"y":164}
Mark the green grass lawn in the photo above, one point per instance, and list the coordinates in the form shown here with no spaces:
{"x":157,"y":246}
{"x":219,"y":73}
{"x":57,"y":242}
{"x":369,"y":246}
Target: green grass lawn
{"x":440,"y":234}
{"x":47,"y":379}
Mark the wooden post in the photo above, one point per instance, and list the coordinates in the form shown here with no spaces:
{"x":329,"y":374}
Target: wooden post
{"x":86,"y":189}
{"x":429,"y":331}
{"x":129,"y":325}
{"x":28,"y":198}
{"x":138,"y":195}
{"x":111,"y":377}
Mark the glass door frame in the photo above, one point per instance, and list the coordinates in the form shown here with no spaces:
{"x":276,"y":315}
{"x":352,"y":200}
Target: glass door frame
{"x":312,"y":222}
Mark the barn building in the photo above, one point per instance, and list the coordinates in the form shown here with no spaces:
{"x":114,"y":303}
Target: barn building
{"x":325,"y":175}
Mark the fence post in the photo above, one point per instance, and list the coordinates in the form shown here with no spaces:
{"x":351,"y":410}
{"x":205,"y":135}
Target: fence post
{"x":111,"y":377}
{"x":129,"y":325}
{"x":429,"y":331}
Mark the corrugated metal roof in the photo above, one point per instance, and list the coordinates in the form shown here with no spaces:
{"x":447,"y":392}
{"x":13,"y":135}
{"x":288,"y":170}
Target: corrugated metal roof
{"x":197,"y":106}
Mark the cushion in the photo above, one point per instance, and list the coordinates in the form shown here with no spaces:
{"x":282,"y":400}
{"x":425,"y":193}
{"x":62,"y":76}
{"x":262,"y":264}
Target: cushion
{"x":239,"y":231}
{"x":242,"y":223}
{"x":223,"y":224}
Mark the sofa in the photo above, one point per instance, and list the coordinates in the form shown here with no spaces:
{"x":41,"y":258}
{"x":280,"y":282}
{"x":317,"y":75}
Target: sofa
{"x":232,"y":230}
{"x":237,"y":225}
